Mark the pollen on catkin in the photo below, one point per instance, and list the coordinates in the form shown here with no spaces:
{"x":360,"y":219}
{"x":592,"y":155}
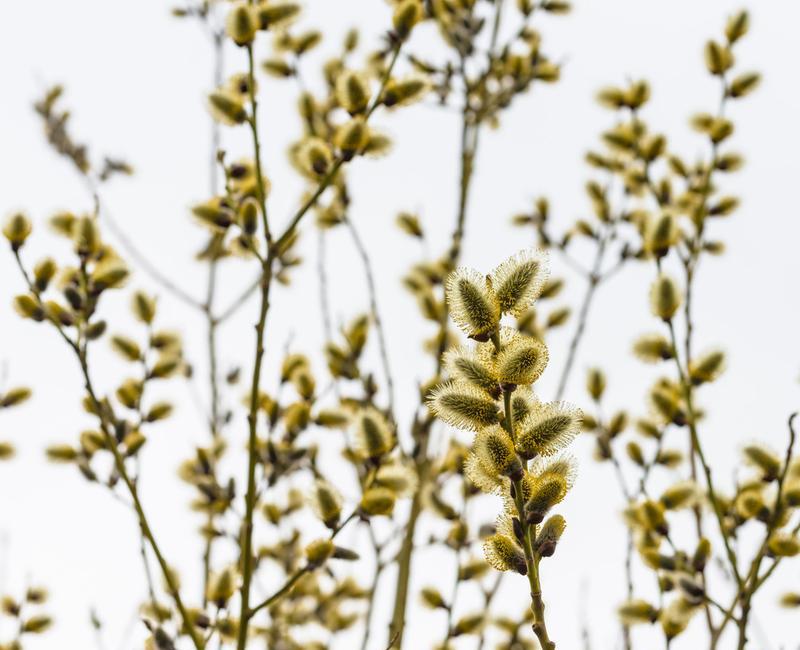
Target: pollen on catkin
{"x":564,"y":465}
{"x":546,"y":491}
{"x":481,"y":476}
{"x":549,"y":429}
{"x":462,"y":364}
{"x":495,"y":449}
{"x":463,"y":406}
{"x":502,"y":553}
{"x":549,"y":534}
{"x":522,"y":361}
{"x":519,"y":280}
{"x":472,"y":303}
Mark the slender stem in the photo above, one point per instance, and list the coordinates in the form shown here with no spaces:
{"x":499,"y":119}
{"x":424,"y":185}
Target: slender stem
{"x":594,"y":279}
{"x":299,"y":573}
{"x":692,"y":424}
{"x":136,"y":255}
{"x":528,"y":536}
{"x":211,"y":324}
{"x":772,"y":525}
{"x":274,"y":250}
{"x":373,"y":590}
{"x":322,"y":274}
{"x":81,"y":352}
{"x":246,"y":558}
{"x":119,"y":464}
{"x":253,"y":121}
{"x":373,"y":304}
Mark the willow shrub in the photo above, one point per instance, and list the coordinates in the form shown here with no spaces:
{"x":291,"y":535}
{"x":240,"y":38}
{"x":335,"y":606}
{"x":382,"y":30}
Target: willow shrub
{"x":654,"y":210}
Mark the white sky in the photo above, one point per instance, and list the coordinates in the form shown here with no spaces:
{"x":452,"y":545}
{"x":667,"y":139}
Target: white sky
{"x":136,"y":78}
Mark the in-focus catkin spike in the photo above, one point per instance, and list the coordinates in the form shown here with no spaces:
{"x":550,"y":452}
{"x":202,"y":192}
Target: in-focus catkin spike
{"x":502,"y":553}
{"x":549,"y":429}
{"x":522,"y":361}
{"x":463,"y":406}
{"x":473,"y":305}
{"x":464,"y":365}
{"x":549,"y":535}
{"x":546,"y":491}
{"x":495,"y":449}
{"x":519,"y":280}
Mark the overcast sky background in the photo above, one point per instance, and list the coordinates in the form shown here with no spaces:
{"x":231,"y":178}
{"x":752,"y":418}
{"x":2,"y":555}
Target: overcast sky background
{"x":136,"y":79}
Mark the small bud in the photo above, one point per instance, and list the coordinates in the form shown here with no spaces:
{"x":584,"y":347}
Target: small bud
{"x":352,"y":91}
{"x":273,"y":15}
{"x":43,"y":273}
{"x":318,"y":551}
{"x":351,"y":137}
{"x":327,"y":503}
{"x":315,"y":157}
{"x":374,"y":436}
{"x":432,"y":597}
{"x":665,"y":297}
{"x":248,"y":216}
{"x":16,"y":230}
{"x":226,"y":107}
{"x":241,"y":23}
{"x":637,"y":611}
{"x":548,"y":536}
{"x":378,"y":501}
{"x":28,"y":307}
{"x":701,"y":555}
{"x":407,"y":14}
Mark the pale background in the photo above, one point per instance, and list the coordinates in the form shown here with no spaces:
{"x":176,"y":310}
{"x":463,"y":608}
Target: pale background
{"x":136,"y":79}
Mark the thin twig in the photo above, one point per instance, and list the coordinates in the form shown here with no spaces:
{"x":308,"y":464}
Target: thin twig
{"x":373,"y":305}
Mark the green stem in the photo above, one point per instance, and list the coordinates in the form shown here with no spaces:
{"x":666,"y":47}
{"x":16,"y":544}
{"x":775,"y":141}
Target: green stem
{"x":246,"y":558}
{"x":529,"y":537}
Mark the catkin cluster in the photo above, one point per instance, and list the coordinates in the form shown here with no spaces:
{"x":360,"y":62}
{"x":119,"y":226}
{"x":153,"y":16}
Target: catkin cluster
{"x":515,"y":452}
